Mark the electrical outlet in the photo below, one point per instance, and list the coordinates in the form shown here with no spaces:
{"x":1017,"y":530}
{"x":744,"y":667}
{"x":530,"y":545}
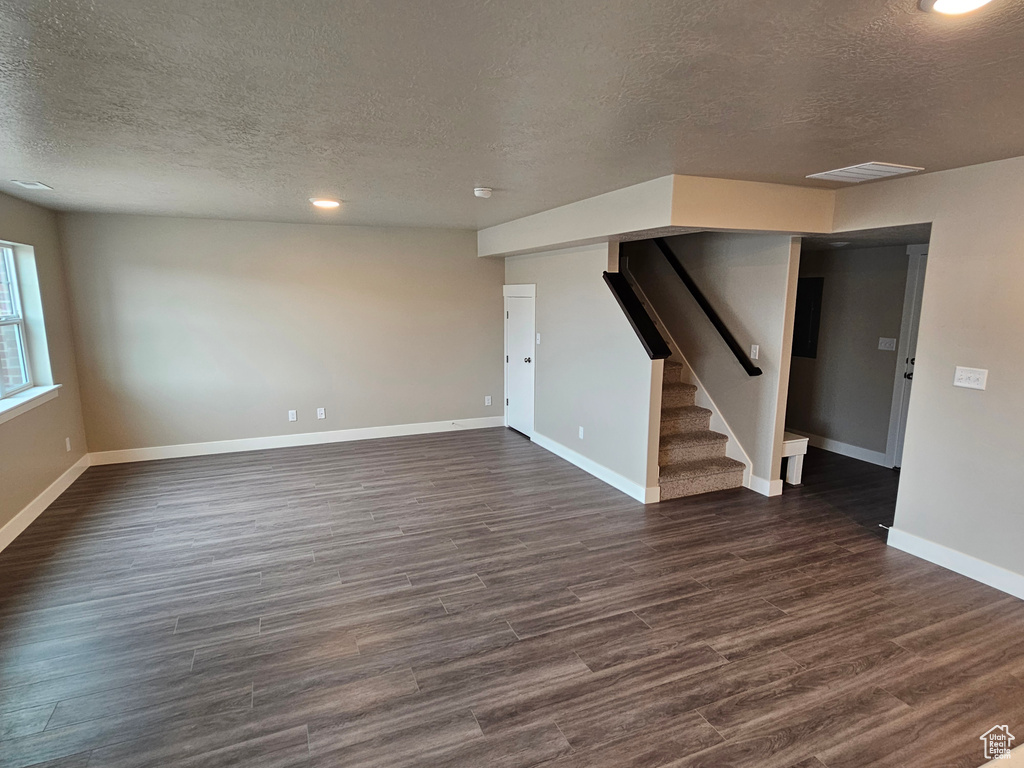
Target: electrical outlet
{"x":67,"y":444}
{"x":487,"y":400}
{"x":538,"y":339}
{"x":581,"y":433}
{"x":970,"y":378}
{"x":887,"y":345}
{"x":755,"y":350}
{"x":293,"y":416}
{"x":321,"y":413}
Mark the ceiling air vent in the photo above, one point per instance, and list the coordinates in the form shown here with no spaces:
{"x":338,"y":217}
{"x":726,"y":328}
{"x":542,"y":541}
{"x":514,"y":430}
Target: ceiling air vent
{"x":865,"y":172}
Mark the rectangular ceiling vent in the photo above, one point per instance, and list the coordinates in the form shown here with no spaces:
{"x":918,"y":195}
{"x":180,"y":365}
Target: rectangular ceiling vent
{"x":865,"y":172}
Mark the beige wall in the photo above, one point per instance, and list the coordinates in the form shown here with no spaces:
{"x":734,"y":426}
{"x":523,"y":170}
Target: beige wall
{"x":845,"y":393}
{"x":592,"y":370}
{"x":194,"y":330}
{"x":960,"y":481}
{"x":750,"y":281}
{"x":32,"y":452}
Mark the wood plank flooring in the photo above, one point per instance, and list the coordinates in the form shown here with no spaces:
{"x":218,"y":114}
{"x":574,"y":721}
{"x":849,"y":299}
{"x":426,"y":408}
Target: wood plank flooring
{"x":468,"y":600}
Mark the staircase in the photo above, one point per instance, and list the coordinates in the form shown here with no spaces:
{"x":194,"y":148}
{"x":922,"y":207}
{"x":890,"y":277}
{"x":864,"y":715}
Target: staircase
{"x":691,"y":457}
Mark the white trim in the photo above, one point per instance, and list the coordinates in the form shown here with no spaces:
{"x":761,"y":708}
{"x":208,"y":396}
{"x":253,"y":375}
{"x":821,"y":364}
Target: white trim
{"x":844,"y":449}
{"x":521,"y":291}
{"x":15,"y":405}
{"x":765,"y":487}
{"x":289,"y":441}
{"x":17,"y":524}
{"x":967,"y":565}
{"x":601,"y":472}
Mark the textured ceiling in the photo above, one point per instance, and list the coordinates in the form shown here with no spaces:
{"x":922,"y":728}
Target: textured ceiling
{"x":225,"y":108}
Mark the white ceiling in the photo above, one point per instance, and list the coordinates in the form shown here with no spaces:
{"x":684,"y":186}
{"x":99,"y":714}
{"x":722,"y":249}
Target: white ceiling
{"x":225,"y":108}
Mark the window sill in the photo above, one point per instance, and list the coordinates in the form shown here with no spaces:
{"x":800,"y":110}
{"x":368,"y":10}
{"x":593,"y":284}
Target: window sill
{"x":15,"y":405}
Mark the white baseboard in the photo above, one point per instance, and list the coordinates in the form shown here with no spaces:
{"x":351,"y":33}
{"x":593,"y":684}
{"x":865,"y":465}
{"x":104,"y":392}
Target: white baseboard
{"x":601,"y":472}
{"x":958,"y":562}
{"x":38,"y":505}
{"x":289,"y":441}
{"x":844,"y":449}
{"x":765,"y":487}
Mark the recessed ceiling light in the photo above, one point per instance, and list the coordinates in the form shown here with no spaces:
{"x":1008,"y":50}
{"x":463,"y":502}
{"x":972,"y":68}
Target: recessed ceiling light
{"x":325,"y":203}
{"x":31,"y":184}
{"x":952,"y":7}
{"x":483,"y":192}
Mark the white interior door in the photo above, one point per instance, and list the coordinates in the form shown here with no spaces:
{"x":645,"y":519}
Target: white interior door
{"x":520,"y":324}
{"x":907,"y":353}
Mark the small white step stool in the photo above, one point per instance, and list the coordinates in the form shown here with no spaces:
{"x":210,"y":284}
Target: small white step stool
{"x":793,"y":449}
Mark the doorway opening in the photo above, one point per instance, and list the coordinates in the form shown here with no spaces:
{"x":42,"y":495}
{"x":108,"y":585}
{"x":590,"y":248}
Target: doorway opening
{"x":851,"y":375}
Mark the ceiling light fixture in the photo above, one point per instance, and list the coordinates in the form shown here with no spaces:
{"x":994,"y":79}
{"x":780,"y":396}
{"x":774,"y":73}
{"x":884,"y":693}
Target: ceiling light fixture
{"x":325,"y":203}
{"x":31,"y":184}
{"x":483,"y":192}
{"x":952,"y":7}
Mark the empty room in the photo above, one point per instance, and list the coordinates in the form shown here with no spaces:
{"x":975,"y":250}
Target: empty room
{"x":587,"y":384}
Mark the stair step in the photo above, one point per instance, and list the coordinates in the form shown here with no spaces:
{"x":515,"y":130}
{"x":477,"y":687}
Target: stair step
{"x":678,"y":393}
{"x":703,"y":476}
{"x":686,"y":418}
{"x":674,"y":372}
{"x":691,"y":446}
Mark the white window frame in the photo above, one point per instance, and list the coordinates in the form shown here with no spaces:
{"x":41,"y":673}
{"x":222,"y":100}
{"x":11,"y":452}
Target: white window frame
{"x":17,"y":319}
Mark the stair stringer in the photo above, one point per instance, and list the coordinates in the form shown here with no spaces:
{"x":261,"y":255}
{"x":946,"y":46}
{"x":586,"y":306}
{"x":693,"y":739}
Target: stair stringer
{"x":733,"y":448}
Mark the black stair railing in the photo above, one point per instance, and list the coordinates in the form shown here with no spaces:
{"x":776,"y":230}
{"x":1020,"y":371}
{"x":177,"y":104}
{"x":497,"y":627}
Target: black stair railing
{"x":645,"y":329}
{"x":704,"y":304}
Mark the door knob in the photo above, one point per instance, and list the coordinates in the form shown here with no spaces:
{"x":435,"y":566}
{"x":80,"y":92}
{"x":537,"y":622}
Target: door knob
{"x":527,"y":360}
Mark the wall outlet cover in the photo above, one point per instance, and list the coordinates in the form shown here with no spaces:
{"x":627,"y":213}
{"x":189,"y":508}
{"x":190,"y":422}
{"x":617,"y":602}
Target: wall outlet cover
{"x":970,"y":378}
{"x":487,"y":400}
{"x":321,"y":413}
{"x":292,"y":416}
{"x":886,"y":344}
{"x":755,"y":351}
{"x":581,"y":433}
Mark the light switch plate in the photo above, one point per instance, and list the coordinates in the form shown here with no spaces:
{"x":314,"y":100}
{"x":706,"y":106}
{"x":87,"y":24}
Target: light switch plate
{"x":887,"y":345}
{"x":538,"y":339}
{"x":581,"y":433}
{"x":970,"y":378}
{"x":755,"y":351}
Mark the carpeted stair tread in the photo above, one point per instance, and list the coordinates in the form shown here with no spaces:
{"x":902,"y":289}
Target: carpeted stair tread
{"x":679,"y":412}
{"x":676,"y":394}
{"x":694,"y":469}
{"x":701,"y":437}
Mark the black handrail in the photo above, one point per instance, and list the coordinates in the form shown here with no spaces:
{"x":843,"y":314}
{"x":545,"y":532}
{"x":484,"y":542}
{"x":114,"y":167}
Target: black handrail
{"x":701,"y":299}
{"x":645,"y":329}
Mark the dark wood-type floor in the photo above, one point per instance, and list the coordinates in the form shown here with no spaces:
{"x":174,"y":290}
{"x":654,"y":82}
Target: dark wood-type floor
{"x":471,"y":600}
{"x":863,"y":492}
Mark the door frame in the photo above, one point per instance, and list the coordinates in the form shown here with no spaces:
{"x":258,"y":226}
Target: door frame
{"x":519,"y":291}
{"x":912,"y":296}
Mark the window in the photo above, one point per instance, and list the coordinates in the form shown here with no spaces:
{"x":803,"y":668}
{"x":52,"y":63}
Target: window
{"x":15,"y":374}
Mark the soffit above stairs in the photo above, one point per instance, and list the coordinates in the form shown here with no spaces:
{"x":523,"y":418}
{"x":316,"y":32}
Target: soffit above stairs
{"x":670,"y":205}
